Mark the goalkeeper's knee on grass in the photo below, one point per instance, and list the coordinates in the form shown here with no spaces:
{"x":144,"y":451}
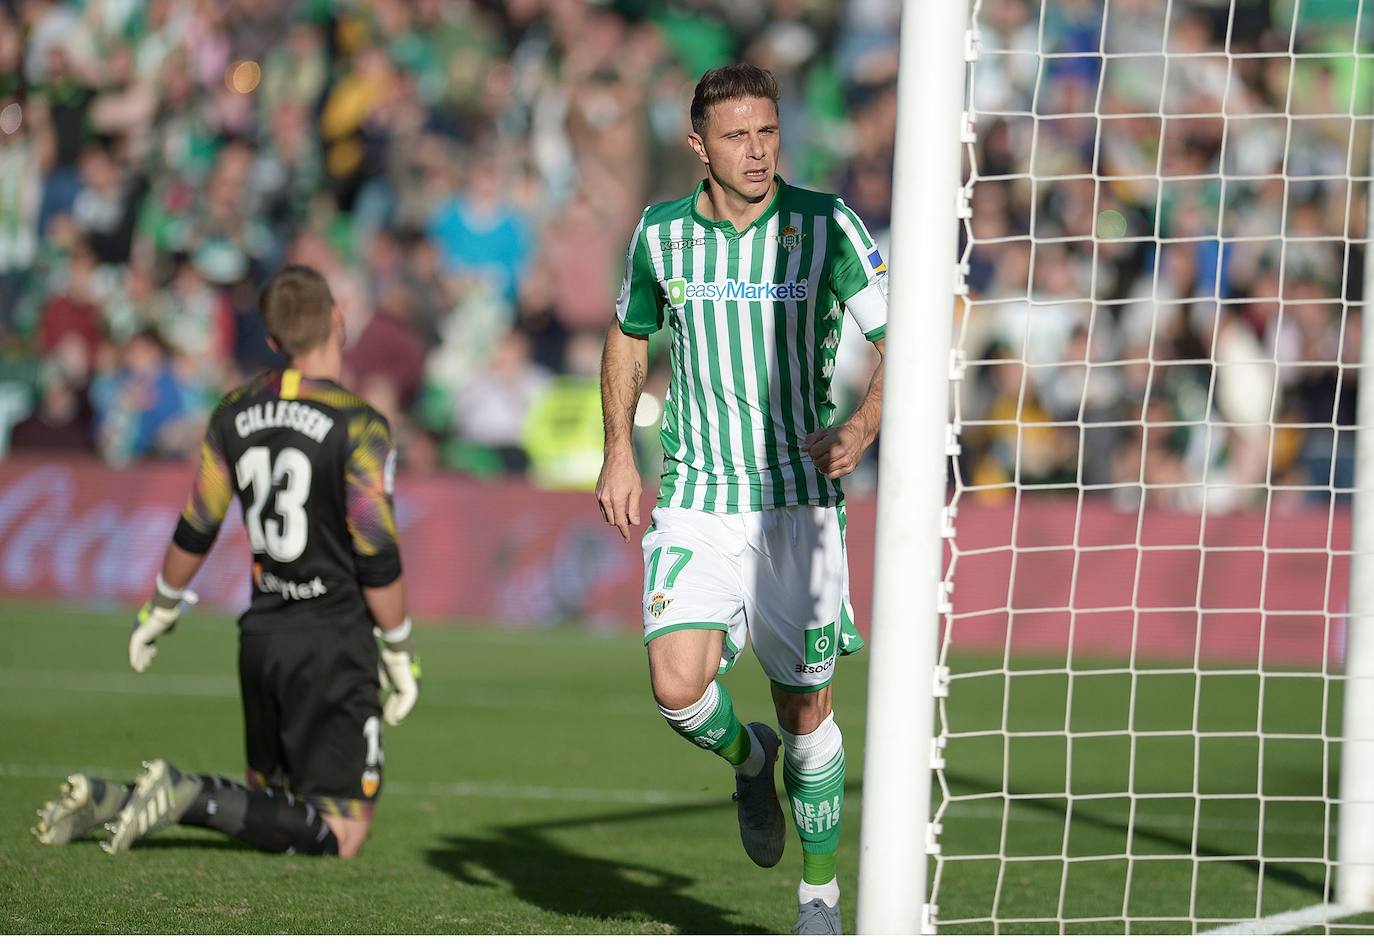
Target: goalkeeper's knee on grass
{"x":269,"y":820}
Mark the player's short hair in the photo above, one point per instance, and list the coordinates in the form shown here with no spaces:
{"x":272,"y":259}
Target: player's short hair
{"x":296,"y":306}
{"x":739,"y":81}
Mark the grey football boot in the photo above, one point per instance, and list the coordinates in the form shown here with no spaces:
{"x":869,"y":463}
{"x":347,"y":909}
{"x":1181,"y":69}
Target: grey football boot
{"x":161,"y":795}
{"x":762,"y":828}
{"x":814,"y":918}
{"x":84,"y":803}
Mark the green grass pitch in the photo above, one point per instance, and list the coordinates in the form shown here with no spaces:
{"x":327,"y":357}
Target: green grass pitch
{"x":536,"y":790}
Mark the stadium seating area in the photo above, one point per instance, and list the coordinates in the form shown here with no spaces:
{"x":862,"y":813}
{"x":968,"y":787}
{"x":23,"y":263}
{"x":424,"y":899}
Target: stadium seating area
{"x":1170,"y":324}
{"x":466,"y":173}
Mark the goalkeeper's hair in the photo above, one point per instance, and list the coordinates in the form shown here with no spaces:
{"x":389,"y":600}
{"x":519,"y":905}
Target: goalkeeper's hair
{"x":739,"y":81}
{"x":296,"y":306}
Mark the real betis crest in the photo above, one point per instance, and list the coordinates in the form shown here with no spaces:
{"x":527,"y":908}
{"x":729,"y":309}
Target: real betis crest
{"x":658,"y":603}
{"x":789,"y":238}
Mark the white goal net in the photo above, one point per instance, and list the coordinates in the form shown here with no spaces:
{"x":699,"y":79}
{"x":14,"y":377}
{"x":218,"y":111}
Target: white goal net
{"x":1145,"y":666}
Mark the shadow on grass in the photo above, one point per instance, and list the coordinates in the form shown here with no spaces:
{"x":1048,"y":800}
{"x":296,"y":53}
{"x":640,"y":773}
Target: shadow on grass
{"x":1183,"y":844}
{"x":544,"y":873}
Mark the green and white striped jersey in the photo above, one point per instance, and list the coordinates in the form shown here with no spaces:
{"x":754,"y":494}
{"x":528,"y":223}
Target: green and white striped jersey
{"x":756,"y":319}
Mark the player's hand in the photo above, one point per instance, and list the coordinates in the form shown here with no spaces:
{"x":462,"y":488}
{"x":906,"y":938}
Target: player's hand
{"x":154,"y":619}
{"x":618,"y":490}
{"x":836,"y":451}
{"x":400,"y":671}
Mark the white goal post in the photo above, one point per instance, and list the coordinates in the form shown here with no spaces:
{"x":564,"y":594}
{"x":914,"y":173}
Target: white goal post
{"x":1130,"y":688}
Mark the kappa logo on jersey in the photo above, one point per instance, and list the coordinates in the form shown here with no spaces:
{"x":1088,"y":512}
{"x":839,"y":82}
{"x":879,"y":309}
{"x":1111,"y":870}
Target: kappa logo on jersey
{"x":669,"y":246}
{"x":680,"y":291}
{"x":658,"y":604}
{"x":790,"y":238}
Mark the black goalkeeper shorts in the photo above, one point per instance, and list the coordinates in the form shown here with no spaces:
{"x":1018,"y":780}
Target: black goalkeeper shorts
{"x":312,"y":719}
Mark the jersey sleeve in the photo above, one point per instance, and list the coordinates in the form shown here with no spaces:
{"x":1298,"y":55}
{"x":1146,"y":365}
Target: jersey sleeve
{"x":858,"y":274}
{"x":369,"y":481}
{"x":210,"y":496}
{"x":639,"y":307}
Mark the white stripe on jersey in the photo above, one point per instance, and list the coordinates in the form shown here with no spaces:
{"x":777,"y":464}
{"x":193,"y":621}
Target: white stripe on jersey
{"x":812,"y":346}
{"x":750,"y":367}
{"x":622,"y":301}
{"x":726,"y":362}
{"x":788,"y":433}
{"x":856,"y":240}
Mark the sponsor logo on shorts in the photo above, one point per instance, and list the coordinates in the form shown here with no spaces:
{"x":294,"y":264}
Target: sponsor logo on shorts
{"x":658,"y":604}
{"x":820,"y":644}
{"x":372,"y":780}
{"x":821,"y":667}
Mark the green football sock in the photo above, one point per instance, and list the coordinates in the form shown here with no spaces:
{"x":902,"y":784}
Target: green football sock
{"x":711,"y":723}
{"x":813,"y":774}
{"x":738,"y":750}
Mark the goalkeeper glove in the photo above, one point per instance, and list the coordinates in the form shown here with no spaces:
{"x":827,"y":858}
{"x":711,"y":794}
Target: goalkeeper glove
{"x":400,"y":670}
{"x":157,"y":617}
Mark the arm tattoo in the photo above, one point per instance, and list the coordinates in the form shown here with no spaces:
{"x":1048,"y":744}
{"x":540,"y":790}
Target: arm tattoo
{"x":638,"y":380}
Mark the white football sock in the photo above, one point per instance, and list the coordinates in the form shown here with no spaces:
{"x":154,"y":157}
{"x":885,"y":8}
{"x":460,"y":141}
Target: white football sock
{"x":753,"y":763}
{"x":830,"y":893}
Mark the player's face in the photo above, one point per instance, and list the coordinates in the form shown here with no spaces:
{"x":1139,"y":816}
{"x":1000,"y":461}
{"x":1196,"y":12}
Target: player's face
{"x":740,"y":146}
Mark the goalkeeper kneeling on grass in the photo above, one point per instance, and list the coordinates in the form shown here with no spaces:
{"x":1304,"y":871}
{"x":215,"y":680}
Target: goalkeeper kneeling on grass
{"x":312,"y":465}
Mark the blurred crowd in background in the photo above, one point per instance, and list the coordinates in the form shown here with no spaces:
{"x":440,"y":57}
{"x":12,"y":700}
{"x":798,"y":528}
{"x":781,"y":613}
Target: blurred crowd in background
{"x":1180,"y":255}
{"x":466,"y":173}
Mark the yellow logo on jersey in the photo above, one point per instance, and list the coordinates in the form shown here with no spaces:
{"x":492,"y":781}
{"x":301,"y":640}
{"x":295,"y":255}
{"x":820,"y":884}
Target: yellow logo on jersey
{"x":372,"y":780}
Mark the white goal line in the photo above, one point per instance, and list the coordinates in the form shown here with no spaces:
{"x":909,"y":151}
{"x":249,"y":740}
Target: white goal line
{"x":1289,"y":922}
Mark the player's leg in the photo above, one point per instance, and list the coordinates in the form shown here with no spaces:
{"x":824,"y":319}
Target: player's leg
{"x":797,"y":609}
{"x":82,"y":805}
{"x":682,"y":672}
{"x":813,"y":773}
{"x":330,"y":730}
{"x":267,"y":818}
{"x":693,"y":629}
{"x":269,"y":812}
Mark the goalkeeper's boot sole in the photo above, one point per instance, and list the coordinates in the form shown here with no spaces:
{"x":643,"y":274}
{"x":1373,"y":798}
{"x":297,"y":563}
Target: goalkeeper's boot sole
{"x":160,"y":796}
{"x":814,"y":918}
{"x":762,"y":828}
{"x":84,"y":803}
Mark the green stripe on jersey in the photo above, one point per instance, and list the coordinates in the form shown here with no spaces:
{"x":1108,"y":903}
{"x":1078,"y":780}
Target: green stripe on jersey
{"x":755,"y":318}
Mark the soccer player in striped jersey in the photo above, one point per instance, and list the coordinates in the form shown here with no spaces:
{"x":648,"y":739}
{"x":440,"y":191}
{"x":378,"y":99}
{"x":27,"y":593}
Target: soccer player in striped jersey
{"x":753,"y":277}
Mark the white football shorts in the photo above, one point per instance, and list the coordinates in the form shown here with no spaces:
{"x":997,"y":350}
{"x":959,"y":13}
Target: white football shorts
{"x":778,"y":577}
